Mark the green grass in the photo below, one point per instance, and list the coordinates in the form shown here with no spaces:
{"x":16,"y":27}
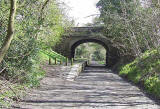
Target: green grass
{"x":54,"y":55}
{"x":37,"y":72}
{"x":29,"y":79}
{"x":10,"y":91}
{"x":102,"y":62}
{"x":146,"y":71}
{"x":80,"y":59}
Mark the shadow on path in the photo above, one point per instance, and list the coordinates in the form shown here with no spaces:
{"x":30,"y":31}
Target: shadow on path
{"x":95,"y":88}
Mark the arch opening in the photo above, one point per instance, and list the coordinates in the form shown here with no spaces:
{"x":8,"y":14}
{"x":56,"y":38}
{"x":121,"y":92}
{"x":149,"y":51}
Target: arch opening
{"x":93,"y":52}
{"x":98,"y":51}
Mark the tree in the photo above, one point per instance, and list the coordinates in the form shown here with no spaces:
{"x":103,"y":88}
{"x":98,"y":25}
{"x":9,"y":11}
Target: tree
{"x":9,"y":37}
{"x":39,"y":25}
{"x":132,"y":27}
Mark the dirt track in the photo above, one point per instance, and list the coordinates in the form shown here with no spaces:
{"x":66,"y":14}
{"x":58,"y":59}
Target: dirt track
{"x":95,"y":88}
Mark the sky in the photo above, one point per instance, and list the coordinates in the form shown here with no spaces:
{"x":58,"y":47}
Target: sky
{"x":80,"y":10}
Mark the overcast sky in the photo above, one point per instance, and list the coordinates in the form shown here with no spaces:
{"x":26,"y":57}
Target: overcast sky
{"x":81,"y":9}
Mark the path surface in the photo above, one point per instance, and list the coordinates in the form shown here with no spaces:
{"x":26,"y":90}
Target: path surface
{"x":95,"y":88}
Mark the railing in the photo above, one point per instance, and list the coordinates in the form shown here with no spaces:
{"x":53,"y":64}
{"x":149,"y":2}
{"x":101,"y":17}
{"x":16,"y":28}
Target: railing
{"x":61,"y":60}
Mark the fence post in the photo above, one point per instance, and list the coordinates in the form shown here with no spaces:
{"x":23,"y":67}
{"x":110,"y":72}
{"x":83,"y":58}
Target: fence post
{"x":50,"y":62}
{"x":72,"y":61}
{"x":61,"y":61}
{"x":88,"y":62}
{"x":55,"y":61}
{"x":82,"y":67}
{"x":66,"y":61}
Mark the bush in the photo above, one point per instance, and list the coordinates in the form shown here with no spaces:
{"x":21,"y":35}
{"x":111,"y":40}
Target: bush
{"x":145,"y":70}
{"x":152,"y":85}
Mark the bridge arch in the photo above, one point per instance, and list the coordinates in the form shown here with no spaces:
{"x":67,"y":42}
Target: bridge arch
{"x":80,"y":35}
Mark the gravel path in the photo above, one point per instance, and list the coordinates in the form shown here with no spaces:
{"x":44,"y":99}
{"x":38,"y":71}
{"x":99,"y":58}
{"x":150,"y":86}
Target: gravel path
{"x":95,"y":88}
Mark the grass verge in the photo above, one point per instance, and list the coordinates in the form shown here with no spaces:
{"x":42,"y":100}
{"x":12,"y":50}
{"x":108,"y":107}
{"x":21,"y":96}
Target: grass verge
{"x":145,"y":70}
{"x":12,"y":89}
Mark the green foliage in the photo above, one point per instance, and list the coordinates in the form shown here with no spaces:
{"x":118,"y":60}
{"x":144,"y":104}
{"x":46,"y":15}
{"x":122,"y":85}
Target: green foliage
{"x":131,"y":71}
{"x":36,"y":30}
{"x":81,"y":51}
{"x":101,"y":62}
{"x":91,"y":51}
{"x":145,"y":69}
{"x":9,"y":92}
{"x":112,"y":6}
{"x":53,"y":55}
{"x":152,"y":85}
{"x":131,"y":26}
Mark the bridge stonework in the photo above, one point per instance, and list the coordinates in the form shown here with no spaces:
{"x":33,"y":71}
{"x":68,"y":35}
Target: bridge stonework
{"x":79,"y":35}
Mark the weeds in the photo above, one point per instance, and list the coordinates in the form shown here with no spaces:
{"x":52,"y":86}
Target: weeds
{"x":145,"y":70}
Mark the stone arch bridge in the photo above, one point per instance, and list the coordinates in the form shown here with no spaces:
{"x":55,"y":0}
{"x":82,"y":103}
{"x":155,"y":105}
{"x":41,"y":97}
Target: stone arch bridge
{"x":79,"y":35}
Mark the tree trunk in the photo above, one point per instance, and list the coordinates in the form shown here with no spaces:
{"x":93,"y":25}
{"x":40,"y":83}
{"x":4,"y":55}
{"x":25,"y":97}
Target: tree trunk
{"x":9,"y":36}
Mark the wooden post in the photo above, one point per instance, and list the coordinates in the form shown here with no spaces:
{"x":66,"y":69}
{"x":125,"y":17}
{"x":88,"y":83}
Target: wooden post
{"x":66,"y":61}
{"x":50,"y":61}
{"x":88,"y":62}
{"x":61,"y":61}
{"x":82,"y":67}
{"x":55,"y":61}
{"x":72,"y":61}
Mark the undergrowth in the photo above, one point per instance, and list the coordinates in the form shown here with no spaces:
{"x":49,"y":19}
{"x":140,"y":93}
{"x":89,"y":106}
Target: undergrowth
{"x":145,"y":70}
{"x":9,"y":93}
{"x":12,"y":89}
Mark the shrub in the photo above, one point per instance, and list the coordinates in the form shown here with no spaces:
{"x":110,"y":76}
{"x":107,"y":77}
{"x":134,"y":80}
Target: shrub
{"x":145,"y":70}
